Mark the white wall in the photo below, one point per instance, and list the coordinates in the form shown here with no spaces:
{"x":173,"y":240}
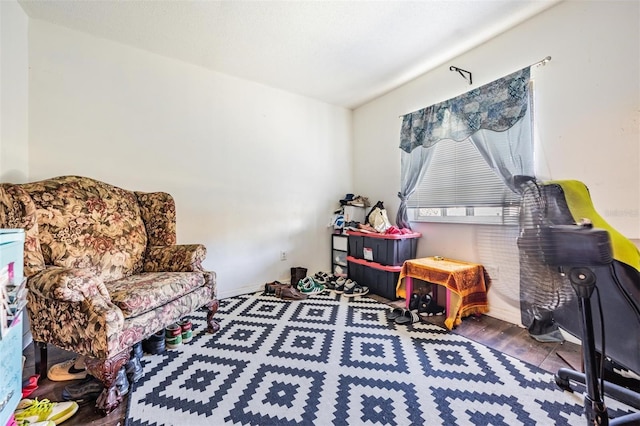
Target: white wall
{"x":253,"y":170}
{"x":587,"y":119}
{"x":14,"y":89}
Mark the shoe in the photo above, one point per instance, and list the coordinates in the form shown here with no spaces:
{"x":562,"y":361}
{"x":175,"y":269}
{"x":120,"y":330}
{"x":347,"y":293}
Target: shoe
{"x":73,"y":369}
{"x":173,"y":336}
{"x":186,"y":328}
{"x":322,"y":276}
{"x":30,"y":411}
{"x":331,"y":282}
{"x":339,"y":283}
{"x":352,"y":289}
{"x":414,"y":302}
{"x":427,"y":307}
{"x":270,"y":288}
{"x":137,"y":351}
{"x":91,"y":388}
{"x":154,"y":344}
{"x":290,"y":293}
{"x":122,"y":382}
{"x":133,"y":369}
{"x":308,"y":286}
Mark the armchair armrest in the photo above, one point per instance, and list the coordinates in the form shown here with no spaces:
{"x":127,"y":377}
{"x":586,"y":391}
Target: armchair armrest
{"x":68,"y":284}
{"x":176,"y":258}
{"x":71,"y":308}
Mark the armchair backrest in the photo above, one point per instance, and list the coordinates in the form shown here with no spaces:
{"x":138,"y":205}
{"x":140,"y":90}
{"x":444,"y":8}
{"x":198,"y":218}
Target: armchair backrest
{"x":79,"y":222}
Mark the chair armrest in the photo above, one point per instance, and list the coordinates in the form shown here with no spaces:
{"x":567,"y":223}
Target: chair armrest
{"x":71,"y":309}
{"x":68,"y":284}
{"x":176,"y":258}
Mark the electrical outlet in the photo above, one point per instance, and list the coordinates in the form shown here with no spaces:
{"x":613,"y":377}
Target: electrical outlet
{"x":283,"y":255}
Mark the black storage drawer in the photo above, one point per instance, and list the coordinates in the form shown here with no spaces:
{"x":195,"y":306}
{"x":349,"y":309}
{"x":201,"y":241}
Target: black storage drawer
{"x":381,"y":280}
{"x":389,"y":250}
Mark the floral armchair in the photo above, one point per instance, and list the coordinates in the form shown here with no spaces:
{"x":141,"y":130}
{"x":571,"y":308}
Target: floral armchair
{"x":104,"y":271}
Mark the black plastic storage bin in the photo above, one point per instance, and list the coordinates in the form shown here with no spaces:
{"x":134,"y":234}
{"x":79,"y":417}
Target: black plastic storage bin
{"x":381,"y":279}
{"x":385,"y":249}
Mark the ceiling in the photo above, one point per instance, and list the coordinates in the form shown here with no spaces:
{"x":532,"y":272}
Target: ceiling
{"x":341,"y":52}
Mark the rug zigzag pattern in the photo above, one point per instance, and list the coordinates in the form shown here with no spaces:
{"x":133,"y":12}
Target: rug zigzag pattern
{"x":338,"y":361}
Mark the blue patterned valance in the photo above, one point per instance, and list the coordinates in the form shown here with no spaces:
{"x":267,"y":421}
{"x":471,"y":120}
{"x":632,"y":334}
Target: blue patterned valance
{"x":495,"y":106}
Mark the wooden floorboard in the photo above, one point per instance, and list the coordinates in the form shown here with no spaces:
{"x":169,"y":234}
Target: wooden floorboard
{"x":500,"y":335}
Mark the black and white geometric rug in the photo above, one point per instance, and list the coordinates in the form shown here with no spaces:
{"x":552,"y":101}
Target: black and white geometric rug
{"x":331,"y":360}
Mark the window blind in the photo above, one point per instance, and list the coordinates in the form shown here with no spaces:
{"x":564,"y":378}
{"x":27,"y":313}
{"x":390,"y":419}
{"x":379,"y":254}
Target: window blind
{"x":458,"y":176}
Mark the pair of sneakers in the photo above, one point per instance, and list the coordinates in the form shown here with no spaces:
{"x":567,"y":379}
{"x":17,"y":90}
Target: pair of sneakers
{"x":350,"y":288}
{"x":310,"y":286}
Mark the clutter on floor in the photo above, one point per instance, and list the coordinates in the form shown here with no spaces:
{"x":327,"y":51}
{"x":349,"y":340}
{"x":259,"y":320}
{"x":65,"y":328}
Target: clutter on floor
{"x":303,"y":286}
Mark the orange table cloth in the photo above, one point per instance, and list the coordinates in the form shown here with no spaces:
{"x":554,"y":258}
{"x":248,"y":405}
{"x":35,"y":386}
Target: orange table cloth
{"x":467,"y":291}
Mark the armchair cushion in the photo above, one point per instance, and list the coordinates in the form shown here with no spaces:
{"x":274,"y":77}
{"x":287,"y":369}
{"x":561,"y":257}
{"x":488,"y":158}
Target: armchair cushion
{"x":140,"y":293}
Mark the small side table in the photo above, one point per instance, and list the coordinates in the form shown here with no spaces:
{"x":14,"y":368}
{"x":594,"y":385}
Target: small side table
{"x":464,"y":281}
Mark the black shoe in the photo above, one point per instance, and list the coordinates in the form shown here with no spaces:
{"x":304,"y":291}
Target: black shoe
{"x":134,"y":370}
{"x":85,"y":390}
{"x":414,"y":302}
{"x":122,"y":382}
{"x":137,"y":350}
{"x":154,"y":344}
{"x":90,"y":388}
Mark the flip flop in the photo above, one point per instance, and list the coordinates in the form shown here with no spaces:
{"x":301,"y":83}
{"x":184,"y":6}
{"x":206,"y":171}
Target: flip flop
{"x":395,"y":313}
{"x":30,"y":385}
{"x":408,"y":317}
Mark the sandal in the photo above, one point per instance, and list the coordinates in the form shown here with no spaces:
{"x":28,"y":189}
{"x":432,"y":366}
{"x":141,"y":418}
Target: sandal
{"x":352,"y":289}
{"x":395,"y":313}
{"x":408,"y":317}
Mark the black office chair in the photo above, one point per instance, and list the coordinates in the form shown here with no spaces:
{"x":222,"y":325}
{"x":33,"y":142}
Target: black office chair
{"x":568,"y":254}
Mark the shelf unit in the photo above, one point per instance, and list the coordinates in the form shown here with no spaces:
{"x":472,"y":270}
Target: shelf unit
{"x":12,"y":299}
{"x":339,"y":252}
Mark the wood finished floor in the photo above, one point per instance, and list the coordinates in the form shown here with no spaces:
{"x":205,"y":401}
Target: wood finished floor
{"x":494,"y":333}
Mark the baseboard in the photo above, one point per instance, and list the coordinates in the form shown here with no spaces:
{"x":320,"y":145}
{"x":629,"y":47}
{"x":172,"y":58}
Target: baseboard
{"x":237,"y":291}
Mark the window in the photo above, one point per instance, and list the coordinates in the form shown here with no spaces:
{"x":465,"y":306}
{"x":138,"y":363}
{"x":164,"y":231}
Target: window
{"x":468,"y":180}
{"x":459,"y":186}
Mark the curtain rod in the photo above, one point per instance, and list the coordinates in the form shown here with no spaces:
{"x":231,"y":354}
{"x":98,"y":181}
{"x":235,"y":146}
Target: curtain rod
{"x":541,"y":62}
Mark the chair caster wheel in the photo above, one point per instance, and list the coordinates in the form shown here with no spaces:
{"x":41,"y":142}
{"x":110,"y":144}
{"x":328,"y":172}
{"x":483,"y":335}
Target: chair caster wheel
{"x":563,"y":383}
